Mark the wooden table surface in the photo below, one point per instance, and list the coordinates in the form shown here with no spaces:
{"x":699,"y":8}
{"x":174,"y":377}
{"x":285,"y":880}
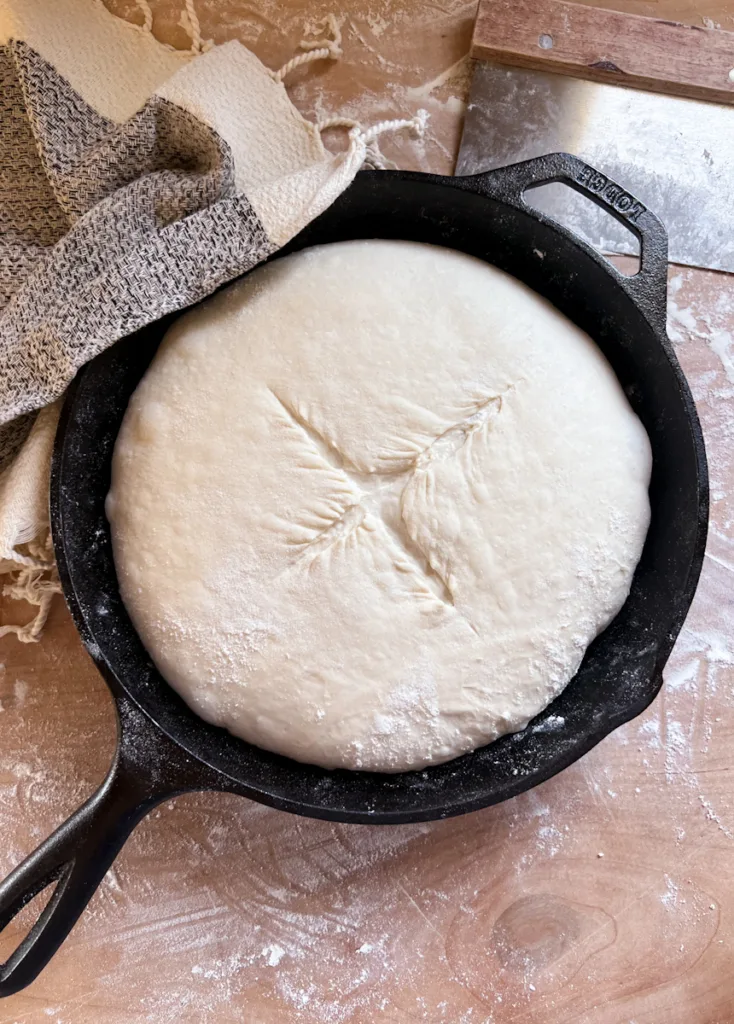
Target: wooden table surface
{"x":605,"y":896}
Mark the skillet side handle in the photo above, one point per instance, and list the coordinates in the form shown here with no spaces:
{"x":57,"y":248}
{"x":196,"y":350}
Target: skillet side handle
{"x":648,"y":287}
{"x":79,"y":853}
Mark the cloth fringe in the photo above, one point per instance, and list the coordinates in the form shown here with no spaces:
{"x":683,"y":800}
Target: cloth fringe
{"x":315,"y":49}
{"x":189,"y":21}
{"x":367,"y":137}
{"x":36,"y":581}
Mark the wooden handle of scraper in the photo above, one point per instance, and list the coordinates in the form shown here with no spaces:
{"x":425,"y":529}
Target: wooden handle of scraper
{"x":607,"y":46}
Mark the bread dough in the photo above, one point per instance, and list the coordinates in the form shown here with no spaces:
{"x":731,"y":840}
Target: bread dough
{"x":370,"y":505}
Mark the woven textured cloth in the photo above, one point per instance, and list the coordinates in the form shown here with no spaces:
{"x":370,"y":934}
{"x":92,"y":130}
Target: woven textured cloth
{"x":134,"y":180}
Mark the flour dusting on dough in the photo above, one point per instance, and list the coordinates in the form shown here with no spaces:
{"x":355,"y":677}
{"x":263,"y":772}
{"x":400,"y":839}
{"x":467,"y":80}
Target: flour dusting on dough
{"x":424,"y":483}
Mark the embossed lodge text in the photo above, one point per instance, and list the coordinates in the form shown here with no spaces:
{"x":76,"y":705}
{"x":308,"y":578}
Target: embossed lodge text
{"x":613,"y":193}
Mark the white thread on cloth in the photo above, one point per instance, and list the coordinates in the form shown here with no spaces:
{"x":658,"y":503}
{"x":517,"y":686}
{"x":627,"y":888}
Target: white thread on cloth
{"x":418,"y":123}
{"x":26,"y":553}
{"x":144,"y":6}
{"x":316,"y":49}
{"x":198,"y":45}
{"x":189,"y":22}
{"x":373,"y":158}
{"x":302,"y":58}
{"x":36,"y":583}
{"x":367,"y":137}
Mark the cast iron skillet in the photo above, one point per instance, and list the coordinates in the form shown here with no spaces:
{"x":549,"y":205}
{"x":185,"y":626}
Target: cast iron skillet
{"x":164,"y":748}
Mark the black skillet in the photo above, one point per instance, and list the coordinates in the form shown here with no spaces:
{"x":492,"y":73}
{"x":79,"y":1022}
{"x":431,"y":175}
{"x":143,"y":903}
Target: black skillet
{"x":164,"y":749}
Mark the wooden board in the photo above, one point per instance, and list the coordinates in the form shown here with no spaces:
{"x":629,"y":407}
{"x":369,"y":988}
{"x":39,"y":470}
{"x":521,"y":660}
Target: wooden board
{"x":220,"y":911}
{"x":600,"y":45}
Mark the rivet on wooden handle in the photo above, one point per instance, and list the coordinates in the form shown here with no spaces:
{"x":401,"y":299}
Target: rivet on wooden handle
{"x":607,"y":46}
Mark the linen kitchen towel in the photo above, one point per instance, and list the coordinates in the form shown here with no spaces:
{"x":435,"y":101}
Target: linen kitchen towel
{"x":134,"y":180}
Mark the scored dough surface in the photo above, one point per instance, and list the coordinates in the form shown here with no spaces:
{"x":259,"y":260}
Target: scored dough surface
{"x":370,"y":505}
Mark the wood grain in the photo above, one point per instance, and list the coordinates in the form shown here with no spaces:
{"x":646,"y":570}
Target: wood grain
{"x":221,"y":911}
{"x":709,"y":13}
{"x":655,"y":54}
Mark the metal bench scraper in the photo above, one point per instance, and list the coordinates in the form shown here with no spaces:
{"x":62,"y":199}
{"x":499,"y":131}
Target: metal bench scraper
{"x":649,"y":101}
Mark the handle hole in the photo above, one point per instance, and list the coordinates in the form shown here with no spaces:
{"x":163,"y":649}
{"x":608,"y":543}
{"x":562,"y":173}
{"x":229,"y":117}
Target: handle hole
{"x":20,"y":925}
{"x":584,"y":218}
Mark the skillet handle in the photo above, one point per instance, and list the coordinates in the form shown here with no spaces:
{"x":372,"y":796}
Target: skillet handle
{"x":649,"y":286}
{"x":79,"y":853}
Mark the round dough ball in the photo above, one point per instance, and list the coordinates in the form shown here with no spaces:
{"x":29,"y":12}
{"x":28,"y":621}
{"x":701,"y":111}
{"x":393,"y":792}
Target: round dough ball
{"x":371,"y":504}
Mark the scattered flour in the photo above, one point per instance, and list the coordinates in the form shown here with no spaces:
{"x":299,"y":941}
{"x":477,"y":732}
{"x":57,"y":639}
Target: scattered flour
{"x":551,"y":724}
{"x":260,"y":916}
